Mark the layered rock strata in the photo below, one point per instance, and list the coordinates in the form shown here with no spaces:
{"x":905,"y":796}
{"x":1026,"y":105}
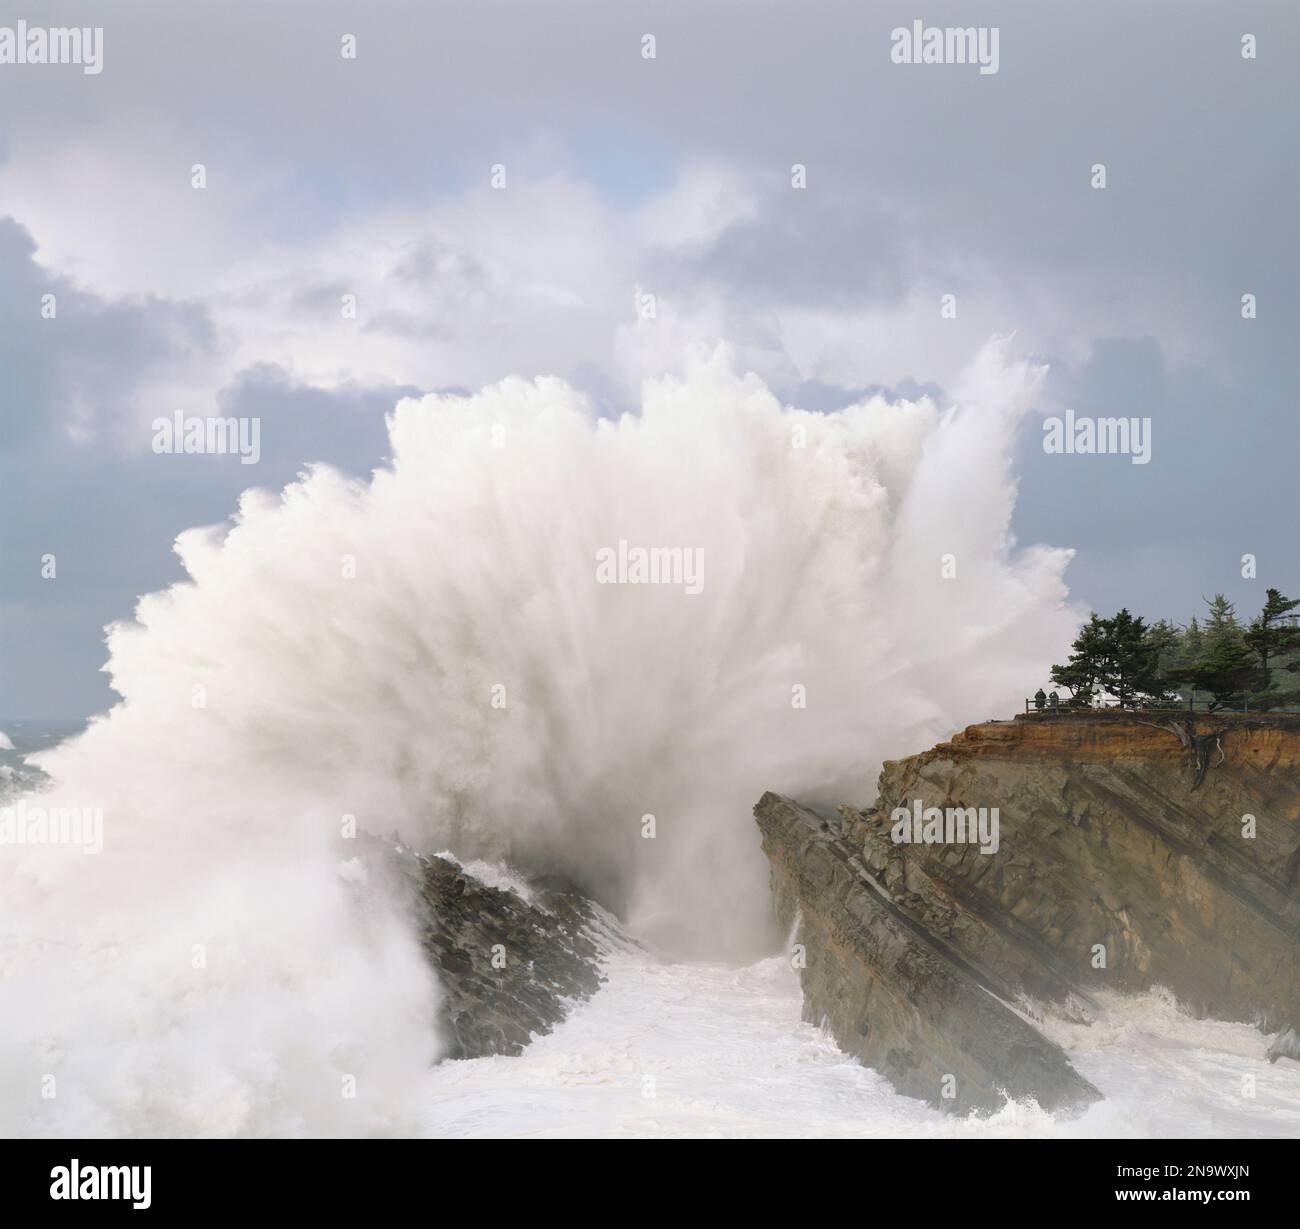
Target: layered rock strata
{"x":1130,"y":852}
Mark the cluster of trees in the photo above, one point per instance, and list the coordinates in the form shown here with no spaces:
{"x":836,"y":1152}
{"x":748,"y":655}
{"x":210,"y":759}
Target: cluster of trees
{"x":1255,"y":664}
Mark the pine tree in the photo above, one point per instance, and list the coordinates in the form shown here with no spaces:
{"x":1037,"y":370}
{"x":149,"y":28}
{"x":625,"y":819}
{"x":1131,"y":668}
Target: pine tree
{"x":1221,"y":627}
{"x":1131,"y":661}
{"x":1079,"y":675}
{"x":1134,"y":662}
{"x":1116,"y":656}
{"x":1228,"y":671}
{"x":1274,"y":639}
{"x":1191,"y":647}
{"x":1167,"y":642}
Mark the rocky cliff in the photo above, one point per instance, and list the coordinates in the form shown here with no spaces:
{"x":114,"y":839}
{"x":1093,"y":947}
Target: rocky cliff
{"x":1041,"y":860}
{"x":511,"y":961}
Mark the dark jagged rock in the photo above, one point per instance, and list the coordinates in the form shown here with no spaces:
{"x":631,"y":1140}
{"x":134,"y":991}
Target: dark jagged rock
{"x":1127,"y":859}
{"x":509,"y":969}
{"x":1285,"y":1045}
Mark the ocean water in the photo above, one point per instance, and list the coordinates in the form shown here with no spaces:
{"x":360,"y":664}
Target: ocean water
{"x":20,"y":739}
{"x":711,"y":1050}
{"x":431,"y":654}
{"x":671,"y":1048}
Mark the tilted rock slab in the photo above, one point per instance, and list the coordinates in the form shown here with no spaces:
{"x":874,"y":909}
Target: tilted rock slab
{"x":1115,"y":870}
{"x":894,"y":995}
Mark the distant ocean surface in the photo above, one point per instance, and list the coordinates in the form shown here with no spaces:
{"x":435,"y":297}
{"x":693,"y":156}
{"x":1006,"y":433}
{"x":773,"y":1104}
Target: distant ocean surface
{"x":18,"y":740}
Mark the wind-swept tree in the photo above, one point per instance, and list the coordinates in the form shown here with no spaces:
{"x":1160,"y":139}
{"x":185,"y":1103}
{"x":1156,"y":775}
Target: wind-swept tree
{"x":1125,"y":658}
{"x":1132,"y":661}
{"x":1228,"y":671}
{"x":1117,"y":656}
{"x":1274,"y":638}
{"x":1080,"y":673}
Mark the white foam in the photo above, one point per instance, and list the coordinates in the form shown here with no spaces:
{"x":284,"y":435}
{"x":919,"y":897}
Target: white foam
{"x":338,"y":651}
{"x":678,"y":1049}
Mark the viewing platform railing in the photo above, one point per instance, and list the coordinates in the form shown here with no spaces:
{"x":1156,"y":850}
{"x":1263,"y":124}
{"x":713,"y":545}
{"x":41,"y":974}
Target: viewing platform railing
{"x":1194,"y":704}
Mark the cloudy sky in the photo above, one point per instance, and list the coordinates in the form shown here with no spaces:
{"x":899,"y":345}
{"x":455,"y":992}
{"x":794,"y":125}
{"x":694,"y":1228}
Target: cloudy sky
{"x":328,"y":176}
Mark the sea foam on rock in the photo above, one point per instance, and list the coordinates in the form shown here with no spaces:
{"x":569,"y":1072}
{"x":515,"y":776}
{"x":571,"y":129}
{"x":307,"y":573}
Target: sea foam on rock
{"x":510,"y":963}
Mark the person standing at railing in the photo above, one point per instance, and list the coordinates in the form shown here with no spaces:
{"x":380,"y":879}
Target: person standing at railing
{"x":1054,"y":700}
{"x":1040,"y":698}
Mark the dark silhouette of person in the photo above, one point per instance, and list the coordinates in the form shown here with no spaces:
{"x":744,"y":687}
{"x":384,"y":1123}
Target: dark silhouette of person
{"x":1040,"y":698}
{"x":1054,"y":700}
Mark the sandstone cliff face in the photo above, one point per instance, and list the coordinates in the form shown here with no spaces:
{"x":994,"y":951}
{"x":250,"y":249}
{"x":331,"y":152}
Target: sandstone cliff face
{"x":1114,"y":870}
